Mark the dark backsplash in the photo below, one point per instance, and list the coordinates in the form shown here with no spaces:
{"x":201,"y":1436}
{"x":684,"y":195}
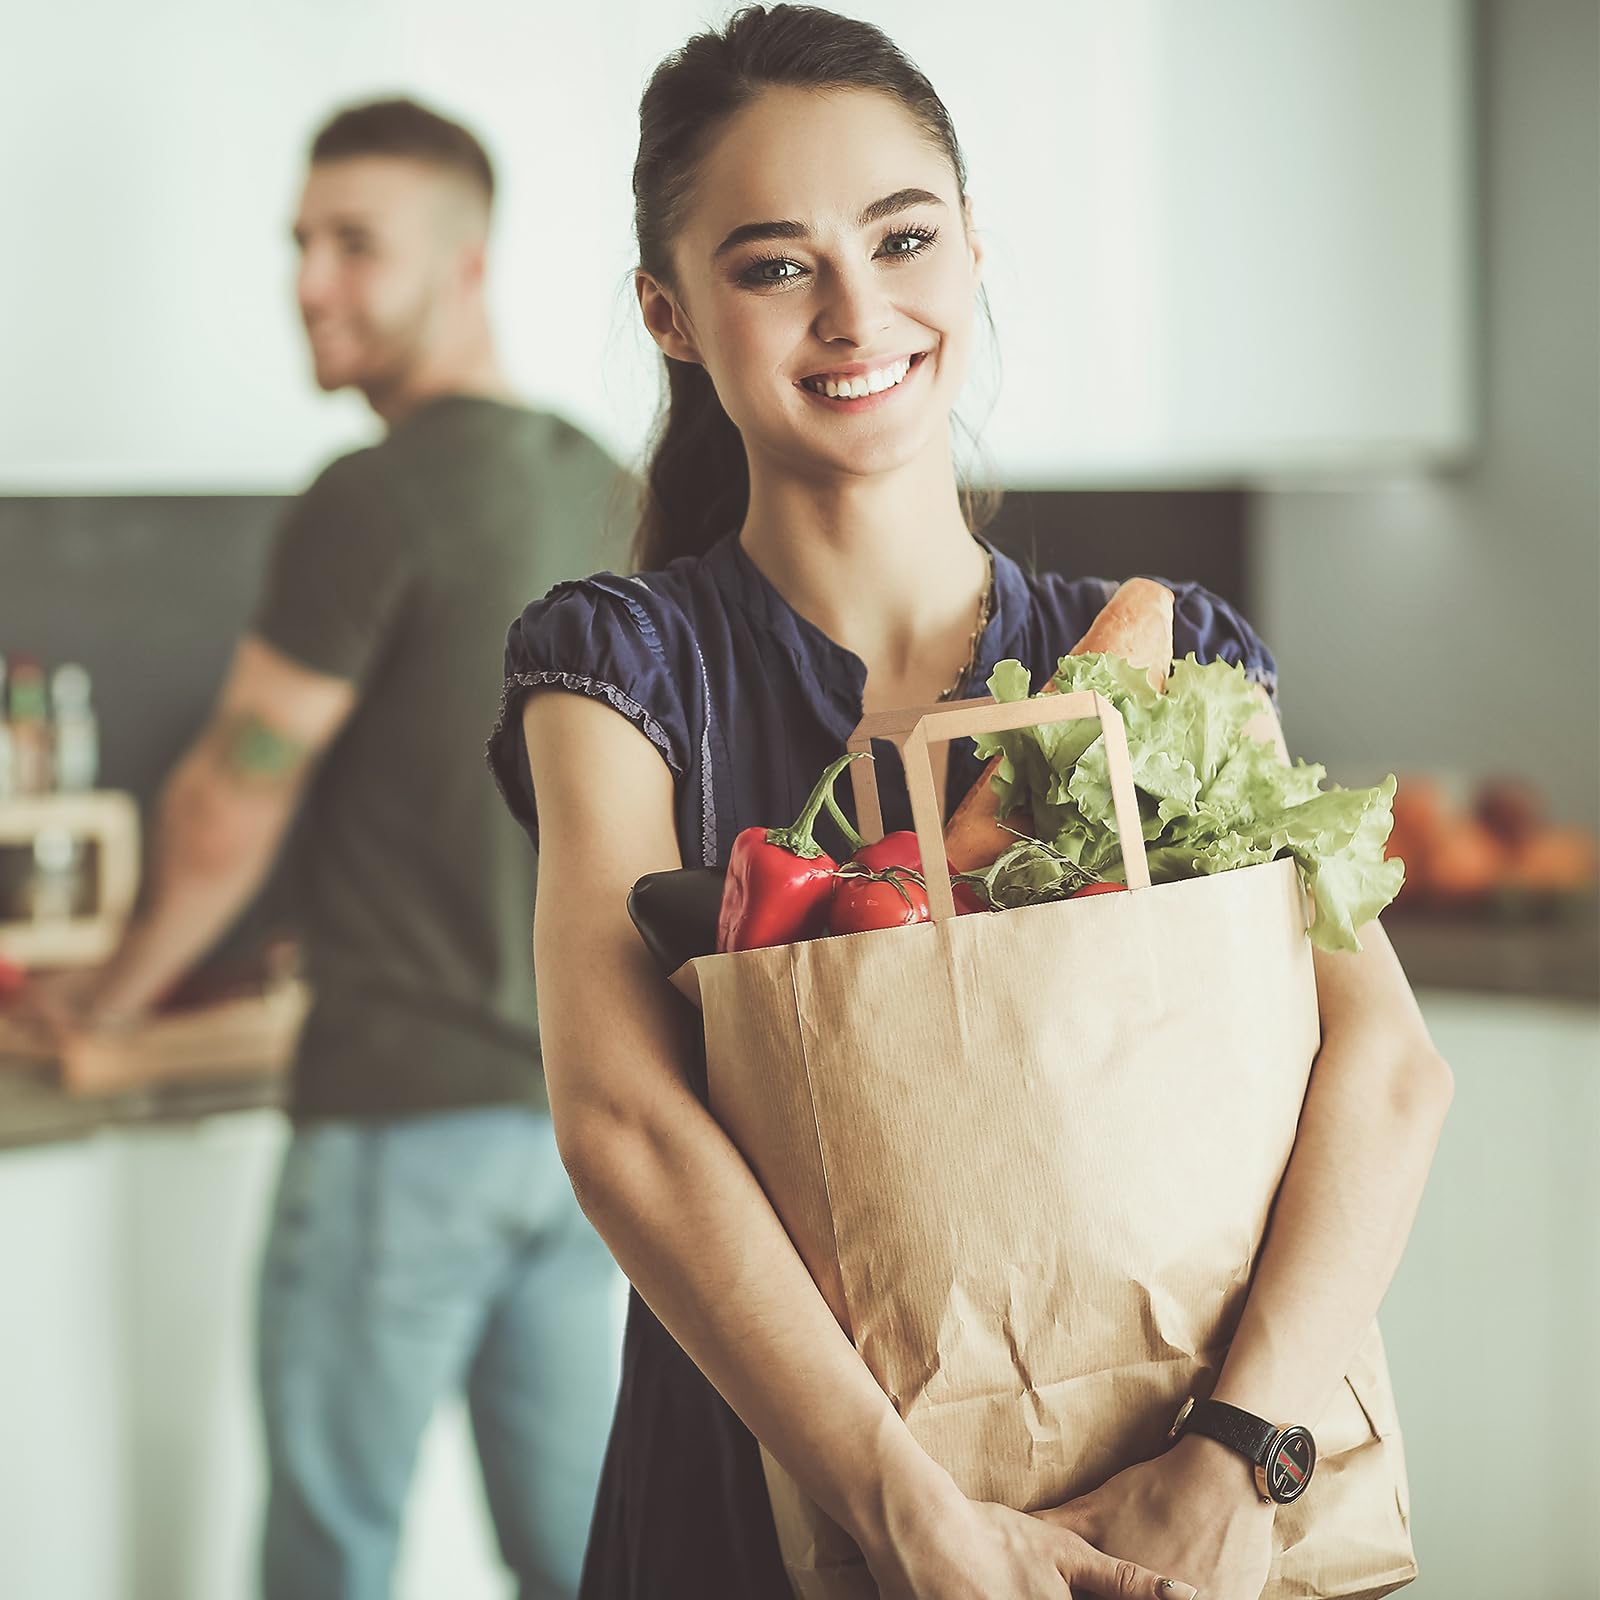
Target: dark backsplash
{"x":1177,"y":534}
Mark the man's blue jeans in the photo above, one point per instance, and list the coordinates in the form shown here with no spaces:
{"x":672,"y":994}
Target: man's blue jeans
{"x":409,"y":1258}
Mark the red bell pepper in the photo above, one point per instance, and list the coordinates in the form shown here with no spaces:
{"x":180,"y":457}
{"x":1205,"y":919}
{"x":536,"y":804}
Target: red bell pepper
{"x":780,"y":880}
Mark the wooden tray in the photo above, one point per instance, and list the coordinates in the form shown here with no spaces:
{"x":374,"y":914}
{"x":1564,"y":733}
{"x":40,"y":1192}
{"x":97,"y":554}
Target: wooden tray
{"x":246,"y":1036}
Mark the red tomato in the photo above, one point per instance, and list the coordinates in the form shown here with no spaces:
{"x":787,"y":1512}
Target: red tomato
{"x":863,"y":904}
{"x":901,"y":850}
{"x":1098,"y":888}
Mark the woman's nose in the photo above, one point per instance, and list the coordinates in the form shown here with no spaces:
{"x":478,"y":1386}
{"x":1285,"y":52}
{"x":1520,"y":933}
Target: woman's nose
{"x":854,"y":309}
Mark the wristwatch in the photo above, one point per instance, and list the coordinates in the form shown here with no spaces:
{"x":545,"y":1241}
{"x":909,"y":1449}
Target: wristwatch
{"x":1283,"y":1458}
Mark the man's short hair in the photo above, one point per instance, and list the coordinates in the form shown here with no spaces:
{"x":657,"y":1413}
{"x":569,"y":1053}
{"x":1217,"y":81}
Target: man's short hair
{"x":405,"y":129}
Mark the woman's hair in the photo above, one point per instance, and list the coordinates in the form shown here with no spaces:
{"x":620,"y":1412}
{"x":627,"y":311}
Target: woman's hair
{"x":697,"y":483}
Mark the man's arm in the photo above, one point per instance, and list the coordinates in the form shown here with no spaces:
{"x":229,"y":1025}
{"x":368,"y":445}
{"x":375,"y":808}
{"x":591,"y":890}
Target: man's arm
{"x":222,"y":815}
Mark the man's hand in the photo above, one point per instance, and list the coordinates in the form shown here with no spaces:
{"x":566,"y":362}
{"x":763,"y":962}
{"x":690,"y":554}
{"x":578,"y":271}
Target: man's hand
{"x":1194,"y":1510}
{"x":58,"y":1013}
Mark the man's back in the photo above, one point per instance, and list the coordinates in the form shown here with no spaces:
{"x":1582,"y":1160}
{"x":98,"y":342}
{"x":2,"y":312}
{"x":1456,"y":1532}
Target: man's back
{"x":397,"y":570}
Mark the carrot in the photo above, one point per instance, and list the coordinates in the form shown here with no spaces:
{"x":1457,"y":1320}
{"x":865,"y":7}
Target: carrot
{"x":1135,"y":624}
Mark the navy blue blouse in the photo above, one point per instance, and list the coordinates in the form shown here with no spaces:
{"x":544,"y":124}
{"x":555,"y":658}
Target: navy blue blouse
{"x":747,"y":702}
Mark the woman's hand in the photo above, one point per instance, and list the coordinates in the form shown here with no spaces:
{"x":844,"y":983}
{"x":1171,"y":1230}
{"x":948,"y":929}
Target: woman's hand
{"x":969,"y":1550}
{"x":1194,"y":1510}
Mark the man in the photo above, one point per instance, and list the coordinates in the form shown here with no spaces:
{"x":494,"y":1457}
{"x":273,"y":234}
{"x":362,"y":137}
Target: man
{"x":425,"y":1235}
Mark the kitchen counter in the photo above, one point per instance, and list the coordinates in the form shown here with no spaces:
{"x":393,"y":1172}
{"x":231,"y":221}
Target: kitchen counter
{"x":1555,"y":960}
{"x":229,"y":1053}
{"x":34,"y":1109}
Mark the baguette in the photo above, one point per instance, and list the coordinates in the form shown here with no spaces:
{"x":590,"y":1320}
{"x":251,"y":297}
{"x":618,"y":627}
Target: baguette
{"x":1134,"y":624}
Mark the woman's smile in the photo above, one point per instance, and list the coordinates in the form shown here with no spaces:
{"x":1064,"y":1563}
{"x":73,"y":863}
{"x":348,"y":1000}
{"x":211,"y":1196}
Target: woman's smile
{"x":861,"y":385}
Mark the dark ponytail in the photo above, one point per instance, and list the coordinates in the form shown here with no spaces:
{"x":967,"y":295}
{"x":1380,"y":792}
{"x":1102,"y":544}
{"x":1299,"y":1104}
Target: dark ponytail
{"x":697,"y":480}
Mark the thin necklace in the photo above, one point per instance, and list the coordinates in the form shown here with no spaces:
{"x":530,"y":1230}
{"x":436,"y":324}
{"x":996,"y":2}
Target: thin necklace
{"x":970,"y":665}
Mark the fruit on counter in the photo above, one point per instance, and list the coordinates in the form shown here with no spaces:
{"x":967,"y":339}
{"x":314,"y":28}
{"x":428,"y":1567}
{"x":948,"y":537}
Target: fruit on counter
{"x":1464,"y":861}
{"x":1552,"y":860}
{"x":1500,"y":853}
{"x":1135,"y":625}
{"x":1510,"y":808}
{"x":1421,"y":809}
{"x":13,"y":978}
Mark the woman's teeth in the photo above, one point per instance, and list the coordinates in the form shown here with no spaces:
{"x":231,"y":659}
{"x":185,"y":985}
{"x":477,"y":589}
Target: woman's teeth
{"x":859,"y":388}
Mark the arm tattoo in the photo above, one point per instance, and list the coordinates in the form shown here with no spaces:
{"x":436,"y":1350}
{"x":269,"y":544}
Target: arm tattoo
{"x":249,"y":748}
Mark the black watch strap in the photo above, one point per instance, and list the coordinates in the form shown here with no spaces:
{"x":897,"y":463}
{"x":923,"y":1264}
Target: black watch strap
{"x":1239,"y":1430}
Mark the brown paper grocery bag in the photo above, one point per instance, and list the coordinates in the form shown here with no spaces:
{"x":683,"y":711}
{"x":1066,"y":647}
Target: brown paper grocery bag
{"x":1028,"y":1159}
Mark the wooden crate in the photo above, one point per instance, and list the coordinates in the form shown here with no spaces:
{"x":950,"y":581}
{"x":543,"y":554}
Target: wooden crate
{"x":110,"y":820}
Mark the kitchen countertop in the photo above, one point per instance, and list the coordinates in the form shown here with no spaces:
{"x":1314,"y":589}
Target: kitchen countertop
{"x":1557,"y":960}
{"x":35,"y":1110}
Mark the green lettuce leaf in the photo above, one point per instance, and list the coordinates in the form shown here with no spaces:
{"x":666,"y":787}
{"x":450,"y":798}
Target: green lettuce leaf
{"x":1211,"y":798}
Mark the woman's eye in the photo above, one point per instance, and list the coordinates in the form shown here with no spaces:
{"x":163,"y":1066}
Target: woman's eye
{"x":904,"y":245}
{"x":778,"y":270}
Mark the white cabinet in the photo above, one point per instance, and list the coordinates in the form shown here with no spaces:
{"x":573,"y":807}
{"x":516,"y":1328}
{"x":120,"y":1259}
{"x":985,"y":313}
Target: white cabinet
{"x":1223,"y":240}
{"x":65,"y":1531}
{"x":1493,"y":1319}
{"x":130,"y":1453}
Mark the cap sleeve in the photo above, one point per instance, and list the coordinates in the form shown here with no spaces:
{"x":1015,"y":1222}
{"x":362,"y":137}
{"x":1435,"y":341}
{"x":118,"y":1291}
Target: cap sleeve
{"x":1214,"y":630}
{"x":601,"y":637}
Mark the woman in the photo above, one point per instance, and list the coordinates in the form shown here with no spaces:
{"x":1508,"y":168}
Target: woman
{"x":803,"y":226}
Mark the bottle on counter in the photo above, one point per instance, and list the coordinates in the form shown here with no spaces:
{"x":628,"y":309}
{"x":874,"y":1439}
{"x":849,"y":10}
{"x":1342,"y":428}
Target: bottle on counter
{"x":56,"y":891}
{"x":77,"y":732}
{"x":30,"y":728}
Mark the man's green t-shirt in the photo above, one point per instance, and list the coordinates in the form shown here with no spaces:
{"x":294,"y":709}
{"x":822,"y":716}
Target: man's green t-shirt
{"x":399,"y":569}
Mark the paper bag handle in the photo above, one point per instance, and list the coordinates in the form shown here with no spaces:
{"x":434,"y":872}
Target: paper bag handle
{"x":915,"y":728}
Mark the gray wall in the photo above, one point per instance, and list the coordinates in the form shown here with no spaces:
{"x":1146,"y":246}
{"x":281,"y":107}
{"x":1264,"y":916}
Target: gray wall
{"x":1455,"y":624}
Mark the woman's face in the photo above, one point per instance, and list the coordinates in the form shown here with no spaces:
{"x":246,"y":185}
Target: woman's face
{"x":825,"y":279}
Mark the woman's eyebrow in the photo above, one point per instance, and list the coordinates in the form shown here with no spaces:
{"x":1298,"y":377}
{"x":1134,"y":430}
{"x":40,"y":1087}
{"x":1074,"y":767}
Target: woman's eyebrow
{"x":750,"y":232}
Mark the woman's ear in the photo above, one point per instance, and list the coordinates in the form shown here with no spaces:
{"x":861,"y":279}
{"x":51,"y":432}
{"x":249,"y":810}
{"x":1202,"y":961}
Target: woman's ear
{"x":974,"y":240}
{"x":664,"y":319}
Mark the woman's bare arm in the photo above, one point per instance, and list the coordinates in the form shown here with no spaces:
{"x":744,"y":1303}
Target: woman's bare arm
{"x":1373,"y":1111}
{"x":663,"y":1185}
{"x":685,"y":1217}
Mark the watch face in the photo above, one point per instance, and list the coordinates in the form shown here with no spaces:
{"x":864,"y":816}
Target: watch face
{"x":1289,"y":1464}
